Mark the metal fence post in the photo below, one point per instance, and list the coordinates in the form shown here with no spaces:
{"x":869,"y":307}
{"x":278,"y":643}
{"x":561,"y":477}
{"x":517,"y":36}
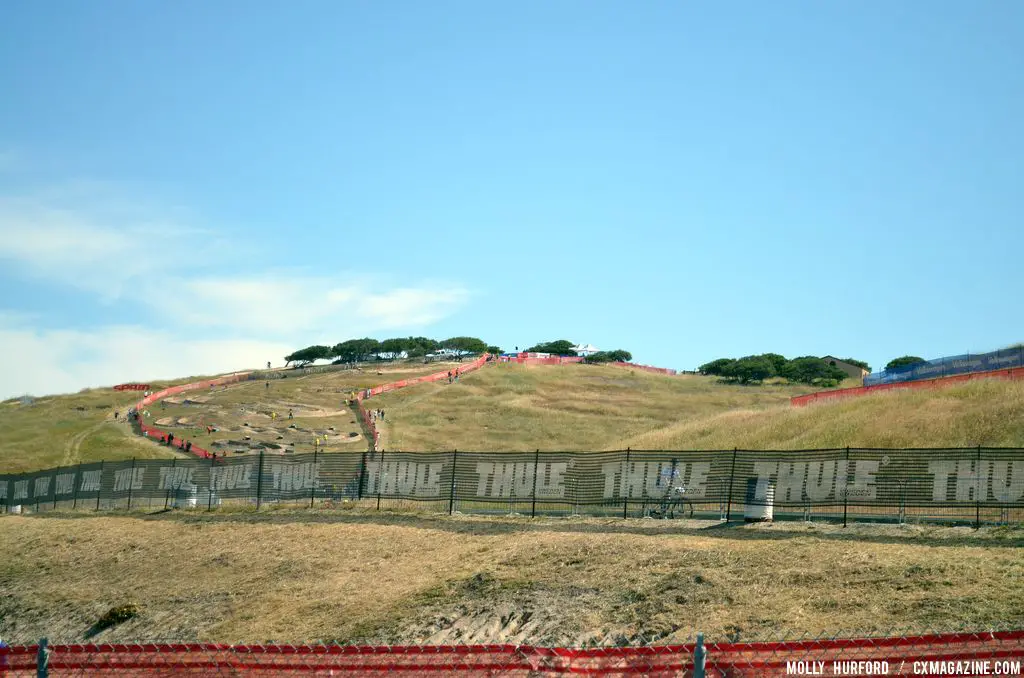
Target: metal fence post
{"x":846,"y":483}
{"x":700,"y":656}
{"x":380,"y":479}
{"x":362,"y":476}
{"x":312,"y":488}
{"x":99,"y":490}
{"x":732,"y":474}
{"x":259,"y":483}
{"x":131,"y":481}
{"x":451,"y":495}
{"x":170,"y":481}
{"x":78,"y":479}
{"x":43,"y":659}
{"x":536,"y":465}
{"x":209,"y":493}
{"x":55,"y":489}
{"x":625,"y":488}
{"x":977,"y":490}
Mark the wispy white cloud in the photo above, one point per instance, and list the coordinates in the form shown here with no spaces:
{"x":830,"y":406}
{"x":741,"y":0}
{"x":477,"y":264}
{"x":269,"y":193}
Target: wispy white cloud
{"x":97,"y":247}
{"x":118,"y":250}
{"x":281,"y":304}
{"x":41,"y":362}
{"x":195,"y":290}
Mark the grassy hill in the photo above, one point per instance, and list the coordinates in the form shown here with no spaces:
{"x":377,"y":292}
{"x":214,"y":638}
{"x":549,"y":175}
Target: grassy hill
{"x":988,"y":413}
{"x":60,"y":430}
{"x":568,"y":407}
{"x":255,"y":413}
{"x":63,"y":430}
{"x":510,"y":407}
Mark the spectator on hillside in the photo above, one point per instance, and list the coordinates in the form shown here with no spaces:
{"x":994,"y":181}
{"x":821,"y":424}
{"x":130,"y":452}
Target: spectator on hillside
{"x":188,"y":446}
{"x":170,"y":438}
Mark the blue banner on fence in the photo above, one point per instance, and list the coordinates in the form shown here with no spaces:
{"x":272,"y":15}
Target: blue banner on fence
{"x":944,"y":367}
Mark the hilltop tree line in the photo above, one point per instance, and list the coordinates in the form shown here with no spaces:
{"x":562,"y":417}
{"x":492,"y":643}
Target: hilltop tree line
{"x":361,"y":350}
{"x":565,"y":347}
{"x":757,"y":368}
{"x":367,"y":349}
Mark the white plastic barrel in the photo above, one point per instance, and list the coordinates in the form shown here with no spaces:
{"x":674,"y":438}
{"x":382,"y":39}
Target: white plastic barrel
{"x":758,"y":509}
{"x":186,"y":498}
{"x":16,"y":508}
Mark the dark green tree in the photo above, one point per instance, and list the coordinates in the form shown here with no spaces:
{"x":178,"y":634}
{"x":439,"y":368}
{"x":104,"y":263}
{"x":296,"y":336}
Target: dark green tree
{"x":903,"y":361}
{"x":394,"y":346}
{"x":617,"y":356}
{"x":470,"y":344}
{"x":778,"y":362}
{"x":494,"y":350}
{"x":751,"y":368}
{"x":307,"y":355}
{"x":420,"y":346}
{"x":558,"y":347}
{"x":716,"y":368}
{"x":356,"y":350}
{"x":811,"y":370}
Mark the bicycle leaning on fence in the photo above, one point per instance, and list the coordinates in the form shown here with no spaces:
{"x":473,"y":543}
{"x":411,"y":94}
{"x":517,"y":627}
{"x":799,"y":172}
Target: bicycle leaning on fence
{"x":673,"y":500}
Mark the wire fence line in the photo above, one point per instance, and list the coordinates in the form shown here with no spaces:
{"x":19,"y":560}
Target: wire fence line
{"x":960,"y":485}
{"x":967,"y":363}
{"x":970,"y":653}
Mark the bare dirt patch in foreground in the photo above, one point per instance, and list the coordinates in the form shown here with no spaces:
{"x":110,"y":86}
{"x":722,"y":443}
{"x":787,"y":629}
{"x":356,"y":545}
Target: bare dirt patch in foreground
{"x":292,"y":576}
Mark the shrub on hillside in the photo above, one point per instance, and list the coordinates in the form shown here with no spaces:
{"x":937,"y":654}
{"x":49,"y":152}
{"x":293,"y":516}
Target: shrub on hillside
{"x":717,"y":368}
{"x":752,"y":368}
{"x":559,"y":347}
{"x":756,"y":368}
{"x":811,"y":370}
{"x":903,"y":361}
{"x":617,"y":356}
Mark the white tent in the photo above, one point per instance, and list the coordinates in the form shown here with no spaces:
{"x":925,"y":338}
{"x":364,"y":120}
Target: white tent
{"x":589,"y":349}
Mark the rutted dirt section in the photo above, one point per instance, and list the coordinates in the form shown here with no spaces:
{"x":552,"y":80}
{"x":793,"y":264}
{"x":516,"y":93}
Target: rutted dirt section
{"x":361,"y":577}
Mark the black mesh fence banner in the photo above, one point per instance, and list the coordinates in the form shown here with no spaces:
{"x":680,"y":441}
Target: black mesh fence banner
{"x":976,"y":485}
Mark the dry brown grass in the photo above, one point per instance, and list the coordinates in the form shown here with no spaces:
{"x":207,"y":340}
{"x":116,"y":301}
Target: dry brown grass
{"x":292,"y":576}
{"x":988,"y":413}
{"x":568,"y":407}
{"x":246,"y":409}
{"x":68,"y":429}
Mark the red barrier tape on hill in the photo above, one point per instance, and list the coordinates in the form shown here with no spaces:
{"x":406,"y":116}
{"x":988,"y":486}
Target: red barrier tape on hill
{"x":647,"y":368}
{"x":723,"y":659}
{"x":392,"y":386}
{"x":800,"y":401}
{"x":156,"y":434}
{"x":522,"y":358}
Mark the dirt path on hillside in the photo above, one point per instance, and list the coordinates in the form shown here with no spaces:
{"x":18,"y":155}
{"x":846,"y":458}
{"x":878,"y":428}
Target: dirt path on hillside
{"x":74,"y":444}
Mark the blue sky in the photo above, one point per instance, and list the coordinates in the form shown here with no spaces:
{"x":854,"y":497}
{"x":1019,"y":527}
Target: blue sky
{"x":202,"y":186}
